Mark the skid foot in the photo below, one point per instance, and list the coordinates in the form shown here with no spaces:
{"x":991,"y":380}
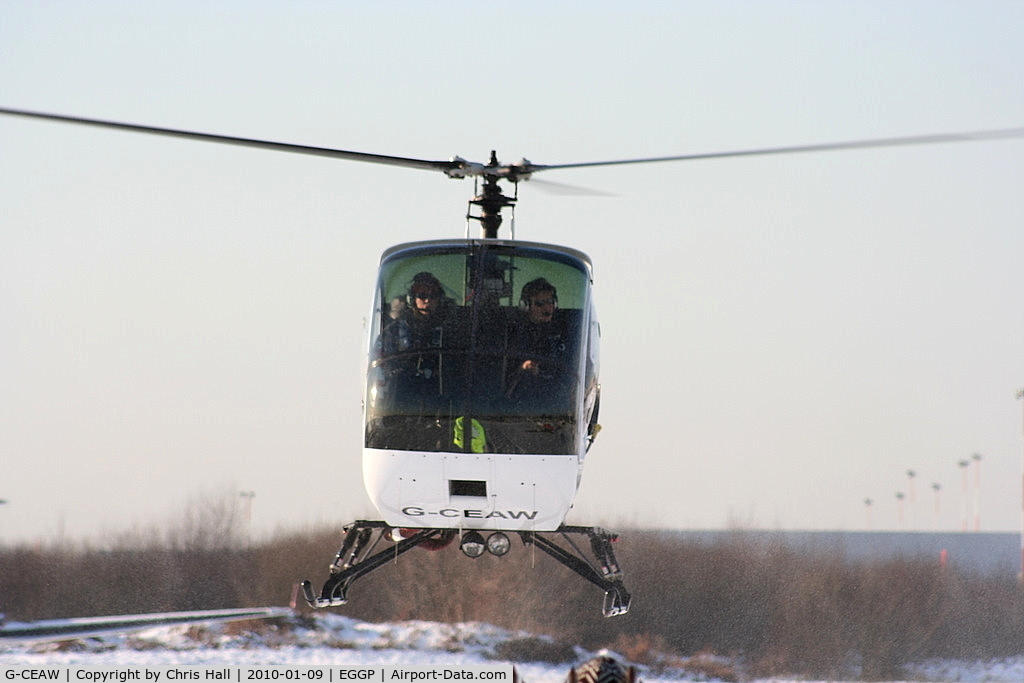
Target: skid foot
{"x":616,"y":601}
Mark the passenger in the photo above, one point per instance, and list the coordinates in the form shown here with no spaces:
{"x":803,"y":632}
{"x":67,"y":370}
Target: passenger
{"x":418,"y":323}
{"x":397,"y":306}
{"x":405,"y":372}
{"x":539,"y":340}
{"x":419,"y":327}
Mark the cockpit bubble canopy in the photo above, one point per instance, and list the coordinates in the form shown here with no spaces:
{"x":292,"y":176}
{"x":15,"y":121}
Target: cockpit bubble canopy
{"x":452,"y":343}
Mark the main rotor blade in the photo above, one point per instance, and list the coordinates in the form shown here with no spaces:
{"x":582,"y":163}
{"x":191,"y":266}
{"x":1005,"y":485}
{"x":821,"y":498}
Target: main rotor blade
{"x":443,"y":166}
{"x":460,"y":168}
{"x":823,"y":147}
{"x":567,"y":190}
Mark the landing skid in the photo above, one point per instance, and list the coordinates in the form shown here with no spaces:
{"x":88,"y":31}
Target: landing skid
{"x":606,"y":575}
{"x":357,"y":557}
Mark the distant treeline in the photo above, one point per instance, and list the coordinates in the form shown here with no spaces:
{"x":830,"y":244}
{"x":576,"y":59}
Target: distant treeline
{"x":783,"y":611}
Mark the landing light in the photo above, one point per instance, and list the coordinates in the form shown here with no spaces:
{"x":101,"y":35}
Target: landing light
{"x":498,"y":544}
{"x":472,"y":544}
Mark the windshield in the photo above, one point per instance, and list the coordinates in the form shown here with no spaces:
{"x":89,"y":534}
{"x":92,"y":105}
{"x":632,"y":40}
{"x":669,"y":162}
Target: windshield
{"x":477,"y":347}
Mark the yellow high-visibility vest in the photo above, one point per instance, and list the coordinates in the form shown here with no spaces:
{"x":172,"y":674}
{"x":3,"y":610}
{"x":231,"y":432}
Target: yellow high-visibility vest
{"x":478,"y":440}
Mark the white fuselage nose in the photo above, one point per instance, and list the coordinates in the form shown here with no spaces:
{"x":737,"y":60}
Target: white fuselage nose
{"x":471,"y":491}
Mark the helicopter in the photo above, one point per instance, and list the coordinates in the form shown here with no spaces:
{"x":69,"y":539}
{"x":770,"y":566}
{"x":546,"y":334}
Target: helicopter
{"x":481,"y":378}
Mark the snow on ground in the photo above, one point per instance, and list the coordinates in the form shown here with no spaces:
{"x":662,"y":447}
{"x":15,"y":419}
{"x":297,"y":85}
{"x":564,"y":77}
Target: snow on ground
{"x":330,"y":639}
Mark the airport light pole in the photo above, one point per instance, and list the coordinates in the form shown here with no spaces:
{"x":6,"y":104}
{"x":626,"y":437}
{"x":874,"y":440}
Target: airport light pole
{"x":867,"y":505}
{"x":963,"y":464}
{"x":977,"y":491}
{"x":913,"y":520}
{"x":1020,"y":395}
{"x":247,"y":496}
{"x":937,"y":487}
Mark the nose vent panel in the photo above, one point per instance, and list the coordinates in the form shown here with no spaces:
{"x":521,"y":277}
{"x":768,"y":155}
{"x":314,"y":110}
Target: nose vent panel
{"x":467,"y":487}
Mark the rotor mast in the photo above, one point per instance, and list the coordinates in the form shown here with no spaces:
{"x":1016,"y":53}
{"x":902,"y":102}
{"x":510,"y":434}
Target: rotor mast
{"x":491,"y":200}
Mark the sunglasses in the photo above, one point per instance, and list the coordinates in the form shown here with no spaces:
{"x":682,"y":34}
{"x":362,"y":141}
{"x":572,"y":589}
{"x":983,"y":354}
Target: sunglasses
{"x":426,"y":294}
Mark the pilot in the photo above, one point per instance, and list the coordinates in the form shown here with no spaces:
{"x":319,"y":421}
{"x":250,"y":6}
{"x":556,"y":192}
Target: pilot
{"x":539,"y":340}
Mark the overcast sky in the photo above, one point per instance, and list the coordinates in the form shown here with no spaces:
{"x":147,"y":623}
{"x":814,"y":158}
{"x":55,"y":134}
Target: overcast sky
{"x":783,"y":337}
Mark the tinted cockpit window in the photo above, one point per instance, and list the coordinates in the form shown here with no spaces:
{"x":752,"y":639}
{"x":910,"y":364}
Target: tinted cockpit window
{"x":477,"y":348}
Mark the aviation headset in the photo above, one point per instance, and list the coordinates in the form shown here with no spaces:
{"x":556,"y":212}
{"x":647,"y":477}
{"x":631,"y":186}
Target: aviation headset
{"x":421,"y":281}
{"x":534,"y":287}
